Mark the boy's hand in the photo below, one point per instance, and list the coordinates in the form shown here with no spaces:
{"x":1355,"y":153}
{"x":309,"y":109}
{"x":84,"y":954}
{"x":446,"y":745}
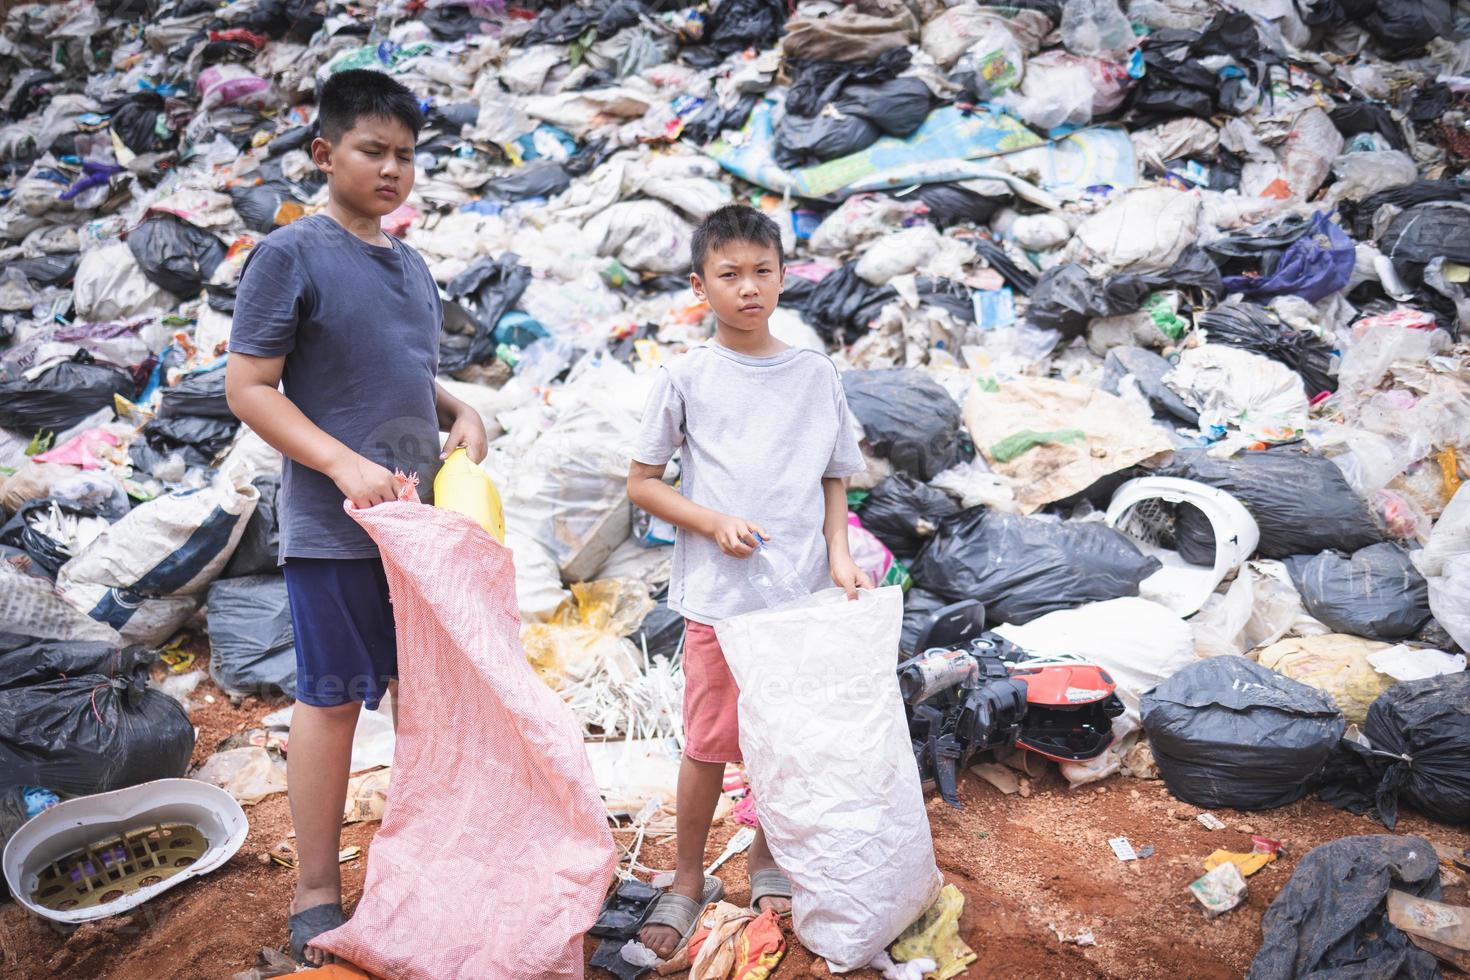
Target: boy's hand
{"x":849,"y":577}
{"x":468,"y":431}
{"x":737,"y":536}
{"x":363,"y":482}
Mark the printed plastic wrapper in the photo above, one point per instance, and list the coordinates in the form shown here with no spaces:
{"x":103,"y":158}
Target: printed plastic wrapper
{"x":826,"y":746}
{"x":489,"y":762}
{"x":1335,"y":663}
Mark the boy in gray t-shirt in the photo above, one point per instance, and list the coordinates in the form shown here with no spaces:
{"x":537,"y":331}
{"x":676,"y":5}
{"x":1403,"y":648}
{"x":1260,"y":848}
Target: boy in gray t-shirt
{"x":766,"y":443}
{"x":346,"y":319}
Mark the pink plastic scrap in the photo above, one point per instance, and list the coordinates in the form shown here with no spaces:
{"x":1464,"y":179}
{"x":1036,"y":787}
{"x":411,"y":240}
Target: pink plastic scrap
{"x":494,"y":854}
{"x":80,"y":450}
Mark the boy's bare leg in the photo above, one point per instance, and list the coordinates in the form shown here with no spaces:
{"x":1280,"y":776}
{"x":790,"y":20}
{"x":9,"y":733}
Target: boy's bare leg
{"x":759,"y":858}
{"x":316,"y":774}
{"x":700,"y":784}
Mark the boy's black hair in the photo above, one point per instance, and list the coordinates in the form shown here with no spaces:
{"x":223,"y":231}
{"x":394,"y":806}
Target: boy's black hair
{"x":733,"y":223}
{"x":350,"y":95}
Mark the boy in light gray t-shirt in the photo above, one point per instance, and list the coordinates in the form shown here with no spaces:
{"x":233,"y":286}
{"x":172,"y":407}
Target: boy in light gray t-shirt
{"x":766,"y":442}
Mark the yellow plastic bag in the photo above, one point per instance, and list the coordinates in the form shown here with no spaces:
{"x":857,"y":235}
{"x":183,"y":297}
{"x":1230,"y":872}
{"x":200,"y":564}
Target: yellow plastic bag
{"x":464,"y":488}
{"x":1248,"y":864}
{"x":936,"y":936}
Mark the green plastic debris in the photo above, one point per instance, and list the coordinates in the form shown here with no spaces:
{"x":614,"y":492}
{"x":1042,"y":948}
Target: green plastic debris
{"x":1017,"y":443}
{"x":1166,"y":317}
{"x":987,"y":384}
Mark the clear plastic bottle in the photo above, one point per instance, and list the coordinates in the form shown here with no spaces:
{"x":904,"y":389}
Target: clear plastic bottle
{"x":774,"y":577}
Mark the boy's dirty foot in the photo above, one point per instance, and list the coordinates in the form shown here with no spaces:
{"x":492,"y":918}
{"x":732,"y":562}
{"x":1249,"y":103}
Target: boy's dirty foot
{"x":311,"y":898}
{"x":663,"y":940}
{"x":759,"y":858}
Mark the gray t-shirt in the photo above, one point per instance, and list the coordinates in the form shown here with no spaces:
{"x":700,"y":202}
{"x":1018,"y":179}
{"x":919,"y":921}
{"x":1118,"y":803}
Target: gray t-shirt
{"x":358,"y":325}
{"x":757,"y":435}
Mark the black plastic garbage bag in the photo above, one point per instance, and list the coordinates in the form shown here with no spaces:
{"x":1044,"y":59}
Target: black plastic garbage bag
{"x":251,"y":645}
{"x":907,"y":419}
{"x":1128,"y":291}
{"x":1025,"y":567}
{"x":1331,"y":919}
{"x":1403,"y":27}
{"x":47,"y":553}
{"x":739,"y":24}
{"x":49,"y":660}
{"x":135,"y":122}
{"x":955,"y":204}
{"x":1376,"y":593}
{"x":198,"y":438}
{"x":864,"y":111}
{"x":803,"y":141}
{"x":842,"y":302}
{"x":1424,"y":232}
{"x":91,"y":734}
{"x":1066,"y":299}
{"x":201,"y":395}
{"x":259,"y":205}
{"x":1302,"y":503}
{"x":1227,"y":732}
{"x":712,"y":119}
{"x":1418,"y":750}
{"x":815,"y":83}
{"x":662,"y":631}
{"x":485,"y":290}
{"x":919,"y":607}
{"x":53,"y":269}
{"x":1356,"y":118}
{"x":175,"y":255}
{"x":538,"y":178}
{"x":1148,"y":369}
{"x":904,"y":513}
{"x":1258,"y":329}
{"x":1258,"y":248}
{"x":61,"y":396}
{"x":259,"y":549}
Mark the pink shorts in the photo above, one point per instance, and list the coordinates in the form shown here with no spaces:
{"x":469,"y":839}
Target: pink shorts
{"x":711,"y":722}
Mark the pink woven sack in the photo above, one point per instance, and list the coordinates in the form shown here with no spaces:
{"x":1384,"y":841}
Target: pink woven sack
{"x":494,"y":853}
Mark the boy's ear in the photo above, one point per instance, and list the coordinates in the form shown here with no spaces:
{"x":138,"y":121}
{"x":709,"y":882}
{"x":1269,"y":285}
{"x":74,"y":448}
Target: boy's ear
{"x":321,"y":154}
{"x":697,"y":284}
{"x":782,"y":286}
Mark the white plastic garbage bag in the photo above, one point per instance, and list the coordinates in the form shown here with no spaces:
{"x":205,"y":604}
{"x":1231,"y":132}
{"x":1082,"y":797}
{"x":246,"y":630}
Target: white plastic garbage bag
{"x":147,"y":574}
{"x":1445,"y":565}
{"x":111,"y":286}
{"x":827,"y":749}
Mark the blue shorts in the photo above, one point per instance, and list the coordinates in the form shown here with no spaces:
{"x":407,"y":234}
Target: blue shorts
{"x":346,"y":648}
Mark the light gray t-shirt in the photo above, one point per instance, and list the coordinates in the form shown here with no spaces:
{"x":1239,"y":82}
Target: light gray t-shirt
{"x":757,"y":435}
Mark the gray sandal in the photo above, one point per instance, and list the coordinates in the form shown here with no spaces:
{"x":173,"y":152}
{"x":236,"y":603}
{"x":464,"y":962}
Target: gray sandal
{"x":769,"y":883}
{"x":306,"y":926}
{"x":682,"y":914}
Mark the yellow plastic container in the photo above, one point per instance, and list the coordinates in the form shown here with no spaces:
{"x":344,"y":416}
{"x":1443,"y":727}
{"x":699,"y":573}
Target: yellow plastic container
{"x":464,"y":488}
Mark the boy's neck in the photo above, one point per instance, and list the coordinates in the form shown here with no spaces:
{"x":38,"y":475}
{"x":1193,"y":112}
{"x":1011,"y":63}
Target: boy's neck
{"x":367,"y":227}
{"x":752,"y":343}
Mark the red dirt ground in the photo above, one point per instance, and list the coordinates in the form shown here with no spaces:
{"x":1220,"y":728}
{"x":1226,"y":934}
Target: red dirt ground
{"x":1029,"y":868}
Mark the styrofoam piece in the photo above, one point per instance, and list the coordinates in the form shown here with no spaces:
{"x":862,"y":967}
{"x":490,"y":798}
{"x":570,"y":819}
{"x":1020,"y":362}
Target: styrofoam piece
{"x":1180,"y":586}
{"x":73,"y":824}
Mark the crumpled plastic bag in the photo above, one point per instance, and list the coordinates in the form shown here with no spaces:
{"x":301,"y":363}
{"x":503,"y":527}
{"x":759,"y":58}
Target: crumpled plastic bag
{"x":1113,"y":436}
{"x":1239,"y":389}
{"x":1146,"y":231}
{"x":936,"y":936}
{"x":489,"y":763}
{"x":1335,"y":663}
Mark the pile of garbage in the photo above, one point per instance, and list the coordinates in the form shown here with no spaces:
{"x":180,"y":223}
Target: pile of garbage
{"x":1152,"y":314}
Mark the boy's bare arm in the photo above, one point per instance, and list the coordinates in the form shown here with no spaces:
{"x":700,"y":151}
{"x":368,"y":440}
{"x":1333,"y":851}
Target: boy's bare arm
{"x":646,"y":488}
{"x":253,"y":392}
{"x":463,"y":423}
{"x":834,"y":528}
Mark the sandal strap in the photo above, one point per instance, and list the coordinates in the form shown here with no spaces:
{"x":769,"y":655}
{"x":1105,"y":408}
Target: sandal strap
{"x":769,"y":883}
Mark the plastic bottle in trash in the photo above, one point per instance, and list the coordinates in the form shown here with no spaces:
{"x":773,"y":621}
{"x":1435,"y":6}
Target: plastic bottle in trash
{"x":774,"y":577}
{"x":463,"y":487}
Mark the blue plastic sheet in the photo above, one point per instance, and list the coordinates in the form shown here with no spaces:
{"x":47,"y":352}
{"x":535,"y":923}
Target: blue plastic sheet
{"x":1309,"y":268}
